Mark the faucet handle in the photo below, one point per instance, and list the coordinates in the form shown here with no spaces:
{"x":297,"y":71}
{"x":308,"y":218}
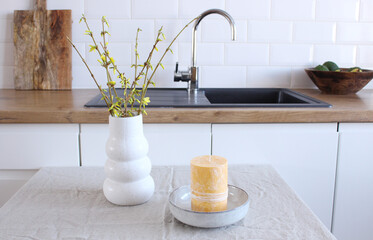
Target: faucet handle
{"x":177,"y":74}
{"x":182,"y":76}
{"x":177,"y":67}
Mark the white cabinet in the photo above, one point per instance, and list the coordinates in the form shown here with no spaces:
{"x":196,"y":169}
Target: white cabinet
{"x":32,"y":146}
{"x":304,"y":155}
{"x":169,"y":144}
{"x":353,"y":210}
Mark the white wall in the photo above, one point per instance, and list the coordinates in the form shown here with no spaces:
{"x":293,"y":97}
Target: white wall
{"x":277,"y":39}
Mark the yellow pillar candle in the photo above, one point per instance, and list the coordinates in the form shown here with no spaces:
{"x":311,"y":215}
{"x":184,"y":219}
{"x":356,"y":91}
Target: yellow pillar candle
{"x":209,"y":188}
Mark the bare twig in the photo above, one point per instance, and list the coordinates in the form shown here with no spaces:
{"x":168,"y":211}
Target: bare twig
{"x":106,"y":61}
{"x":93,"y":77}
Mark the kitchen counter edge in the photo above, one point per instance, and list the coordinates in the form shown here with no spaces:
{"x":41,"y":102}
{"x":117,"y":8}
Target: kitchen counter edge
{"x":68,"y":107}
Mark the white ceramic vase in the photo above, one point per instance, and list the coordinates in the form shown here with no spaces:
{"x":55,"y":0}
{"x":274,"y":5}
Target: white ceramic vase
{"x":128,"y":167}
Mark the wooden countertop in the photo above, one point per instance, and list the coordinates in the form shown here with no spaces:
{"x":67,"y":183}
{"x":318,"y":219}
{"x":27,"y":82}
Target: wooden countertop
{"x":67,"y":107}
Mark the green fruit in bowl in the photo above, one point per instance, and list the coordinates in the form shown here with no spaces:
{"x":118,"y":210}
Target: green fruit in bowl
{"x":331,"y":66}
{"x":355,"y":69}
{"x":321,"y":68}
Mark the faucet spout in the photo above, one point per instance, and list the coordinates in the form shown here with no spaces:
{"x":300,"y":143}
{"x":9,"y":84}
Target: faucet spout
{"x":203,"y":15}
{"x":191,"y":76}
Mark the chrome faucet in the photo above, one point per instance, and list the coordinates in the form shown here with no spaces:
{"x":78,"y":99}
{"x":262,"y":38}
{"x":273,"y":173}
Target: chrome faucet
{"x":191,"y":76}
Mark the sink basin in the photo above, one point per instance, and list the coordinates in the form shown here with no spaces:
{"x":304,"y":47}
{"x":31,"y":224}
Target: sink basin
{"x":255,"y":96}
{"x":223,"y":97}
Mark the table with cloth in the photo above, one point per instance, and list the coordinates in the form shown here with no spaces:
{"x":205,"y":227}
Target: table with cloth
{"x":68,"y":203}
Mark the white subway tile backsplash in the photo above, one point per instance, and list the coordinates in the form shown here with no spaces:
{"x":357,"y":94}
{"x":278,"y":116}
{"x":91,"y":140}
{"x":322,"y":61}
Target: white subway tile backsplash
{"x":337,"y":10}
{"x":291,"y":54}
{"x":125,"y":30}
{"x":109,"y":8}
{"x":145,"y":48}
{"x":6,"y":54}
{"x":82,"y":78}
{"x":128,"y":71}
{"x":293,"y":9}
{"x":193,"y":8}
{"x":248,"y":9}
{"x":154,"y":9}
{"x":268,"y":76}
{"x":343,"y":55}
{"x":185,"y":53}
{"x":6,"y":28}
{"x":78,"y":30}
{"x":7,"y":7}
{"x":368,"y":66}
{"x":364,"y":61}
{"x":300,"y":79}
{"x":76,"y":6}
{"x":246,"y":54}
{"x":172,"y":27}
{"x":121,"y":52}
{"x":366,"y":9}
{"x":223,"y":77}
{"x":269,"y":31}
{"x":276,"y":39}
{"x":354,"y":32}
{"x":314,"y":32}
{"x":170,"y":58}
{"x":164,"y":78}
{"x":6,"y":77}
{"x":75,"y":59}
{"x":219,"y":31}
{"x":207,"y":54}
{"x":365,"y":56}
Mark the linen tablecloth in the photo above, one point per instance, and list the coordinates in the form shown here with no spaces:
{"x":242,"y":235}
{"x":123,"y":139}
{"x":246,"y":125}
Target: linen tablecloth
{"x":68,"y":203}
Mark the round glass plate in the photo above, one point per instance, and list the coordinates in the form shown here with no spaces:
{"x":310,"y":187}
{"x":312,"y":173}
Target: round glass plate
{"x":180,"y":206}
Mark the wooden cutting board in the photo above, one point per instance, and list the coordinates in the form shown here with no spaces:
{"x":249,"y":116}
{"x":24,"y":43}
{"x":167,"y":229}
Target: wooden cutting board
{"x":42,"y":53}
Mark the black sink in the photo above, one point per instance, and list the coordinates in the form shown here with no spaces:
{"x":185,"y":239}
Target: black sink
{"x":223,"y":97}
{"x":260,"y":96}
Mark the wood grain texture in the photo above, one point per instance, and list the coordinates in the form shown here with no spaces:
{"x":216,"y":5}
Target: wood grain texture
{"x":68,"y":107}
{"x":42,"y":53}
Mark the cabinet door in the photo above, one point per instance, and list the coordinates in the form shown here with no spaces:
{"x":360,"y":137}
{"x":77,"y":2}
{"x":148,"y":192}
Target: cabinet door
{"x":31,"y":146}
{"x":353,"y":210}
{"x":304,"y":155}
{"x":169,"y":144}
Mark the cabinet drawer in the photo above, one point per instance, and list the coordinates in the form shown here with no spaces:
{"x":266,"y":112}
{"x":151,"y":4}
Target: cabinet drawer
{"x":169,"y":144}
{"x":31,"y":146}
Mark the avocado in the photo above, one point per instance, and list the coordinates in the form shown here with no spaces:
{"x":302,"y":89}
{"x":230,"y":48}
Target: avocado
{"x":321,"y":68}
{"x":355,"y":69}
{"x":331,"y":66}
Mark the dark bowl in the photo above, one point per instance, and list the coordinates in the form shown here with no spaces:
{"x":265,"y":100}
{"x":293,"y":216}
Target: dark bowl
{"x":340,"y":82}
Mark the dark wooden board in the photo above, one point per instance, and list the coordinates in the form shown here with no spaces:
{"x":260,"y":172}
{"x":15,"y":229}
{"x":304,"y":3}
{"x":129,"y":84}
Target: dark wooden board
{"x":42,"y":53}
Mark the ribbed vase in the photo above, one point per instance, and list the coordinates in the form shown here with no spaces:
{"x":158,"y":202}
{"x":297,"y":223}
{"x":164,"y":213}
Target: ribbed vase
{"x":128,"y":180}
